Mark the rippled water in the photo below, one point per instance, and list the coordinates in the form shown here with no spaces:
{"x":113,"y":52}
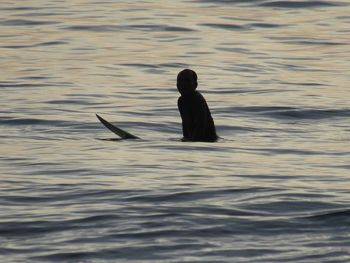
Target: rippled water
{"x":275,"y":188}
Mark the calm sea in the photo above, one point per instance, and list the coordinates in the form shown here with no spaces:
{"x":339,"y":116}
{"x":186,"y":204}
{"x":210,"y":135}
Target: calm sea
{"x":275,"y":188}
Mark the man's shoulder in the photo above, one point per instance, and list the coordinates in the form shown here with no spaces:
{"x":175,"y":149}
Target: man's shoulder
{"x":181,"y":101}
{"x":194,"y":97}
{"x":199,"y":97}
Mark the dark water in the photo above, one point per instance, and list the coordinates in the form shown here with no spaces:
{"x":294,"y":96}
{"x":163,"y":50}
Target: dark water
{"x":275,"y":188}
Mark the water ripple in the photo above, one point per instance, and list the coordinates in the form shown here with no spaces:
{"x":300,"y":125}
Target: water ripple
{"x":225,"y":26}
{"x":116,"y":28}
{"x":12,"y":85}
{"x":306,"y":41}
{"x":311,"y":114}
{"x":301,"y":4}
{"x":337,"y":216}
{"x":250,"y":26}
{"x":190,"y":196}
{"x":292,"y":112}
{"x":26,"y":22}
{"x":30,"y":121}
{"x":275,"y":74}
{"x":231,"y":1}
{"x":49,"y":43}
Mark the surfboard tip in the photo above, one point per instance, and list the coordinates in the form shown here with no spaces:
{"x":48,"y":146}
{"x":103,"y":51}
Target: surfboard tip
{"x":123,"y":134}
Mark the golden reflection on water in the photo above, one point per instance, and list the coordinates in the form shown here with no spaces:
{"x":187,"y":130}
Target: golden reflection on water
{"x":121,"y":69}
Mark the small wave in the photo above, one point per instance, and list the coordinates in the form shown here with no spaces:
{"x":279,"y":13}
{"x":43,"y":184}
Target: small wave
{"x":50,"y":43}
{"x":332,"y":216}
{"x":22,"y":8}
{"x":36,"y":77}
{"x":260,"y":109}
{"x":75,"y":101}
{"x":173,"y":65}
{"x":190,"y":196}
{"x":94,"y":28}
{"x":31,"y":228}
{"x":36,"y":13}
{"x":150,"y":253}
{"x":22,"y":85}
{"x":25,"y":22}
{"x":311,"y":114}
{"x":237,"y":129}
{"x":11,"y":85}
{"x":160,"y":28}
{"x":95,"y":219}
{"x":300,"y":4}
{"x":18,"y":251}
{"x":306,"y":41}
{"x":314,"y":84}
{"x":264,"y":25}
{"x":30,"y":121}
{"x":26,"y":199}
{"x":37,"y":227}
{"x":230,"y":1}
{"x":315,"y":42}
{"x":242,"y":91}
{"x":234,"y":50}
{"x":116,"y":28}
{"x":139,"y":65}
{"x":280,"y":151}
{"x":250,"y":26}
{"x":295,"y":113}
{"x":225,"y":26}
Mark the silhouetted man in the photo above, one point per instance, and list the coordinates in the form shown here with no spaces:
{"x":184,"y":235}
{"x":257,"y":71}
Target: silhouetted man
{"x":197,"y":123}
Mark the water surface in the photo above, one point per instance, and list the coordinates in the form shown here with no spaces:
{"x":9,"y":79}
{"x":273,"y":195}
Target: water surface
{"x":275,"y":188}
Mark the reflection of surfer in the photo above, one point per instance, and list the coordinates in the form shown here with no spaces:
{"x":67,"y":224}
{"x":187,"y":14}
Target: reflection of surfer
{"x":197,"y":123}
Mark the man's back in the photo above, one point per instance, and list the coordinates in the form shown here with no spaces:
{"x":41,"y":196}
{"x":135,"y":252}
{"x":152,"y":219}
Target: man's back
{"x":197,"y":122}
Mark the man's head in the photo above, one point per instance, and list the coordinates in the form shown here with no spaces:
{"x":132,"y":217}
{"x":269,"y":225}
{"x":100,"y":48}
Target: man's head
{"x":186,"y":81}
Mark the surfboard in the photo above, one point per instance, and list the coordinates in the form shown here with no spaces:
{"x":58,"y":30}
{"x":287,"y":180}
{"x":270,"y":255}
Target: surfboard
{"x":123,"y":134}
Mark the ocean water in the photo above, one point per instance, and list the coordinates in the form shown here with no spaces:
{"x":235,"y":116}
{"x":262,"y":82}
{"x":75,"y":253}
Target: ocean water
{"x":274,"y":188}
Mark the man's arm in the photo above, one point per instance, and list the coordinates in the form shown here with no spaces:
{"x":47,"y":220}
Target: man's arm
{"x":201,"y":118}
{"x":186,"y":117}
